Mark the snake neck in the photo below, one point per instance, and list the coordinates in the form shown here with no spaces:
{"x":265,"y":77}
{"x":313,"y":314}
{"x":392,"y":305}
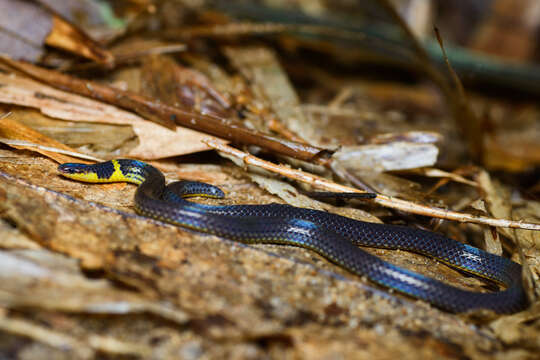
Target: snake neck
{"x":132,"y":171}
{"x":150,"y":180}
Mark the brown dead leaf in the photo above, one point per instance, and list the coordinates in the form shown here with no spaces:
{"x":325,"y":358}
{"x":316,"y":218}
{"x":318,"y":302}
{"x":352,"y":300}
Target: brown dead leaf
{"x":387,"y":157}
{"x":445,"y":176}
{"x":66,"y":36}
{"x":498,"y":200}
{"x":419,"y":137}
{"x":270,"y":85}
{"x":167,"y":80}
{"x":492,"y":242}
{"x":500,"y":205}
{"x":513,"y":331}
{"x":154,"y":141}
{"x":530,"y":240}
{"x":13,"y":130}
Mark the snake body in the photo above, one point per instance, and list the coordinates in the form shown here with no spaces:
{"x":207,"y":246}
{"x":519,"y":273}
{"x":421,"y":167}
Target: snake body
{"x":332,"y":236}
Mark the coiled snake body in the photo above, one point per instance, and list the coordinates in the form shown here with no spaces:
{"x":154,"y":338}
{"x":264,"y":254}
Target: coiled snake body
{"x":332,"y":236}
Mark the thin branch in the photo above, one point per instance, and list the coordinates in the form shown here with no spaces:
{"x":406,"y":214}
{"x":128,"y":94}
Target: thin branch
{"x":387,"y":201}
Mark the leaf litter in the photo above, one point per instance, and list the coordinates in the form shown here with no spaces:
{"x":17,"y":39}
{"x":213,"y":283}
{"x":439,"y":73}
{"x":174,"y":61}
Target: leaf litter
{"x":86,"y":276}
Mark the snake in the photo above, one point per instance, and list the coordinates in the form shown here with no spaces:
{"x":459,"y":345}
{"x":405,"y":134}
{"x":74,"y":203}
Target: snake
{"x":334,"y":237}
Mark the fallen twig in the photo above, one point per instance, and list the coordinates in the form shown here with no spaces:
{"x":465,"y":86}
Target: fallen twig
{"x":387,"y":201}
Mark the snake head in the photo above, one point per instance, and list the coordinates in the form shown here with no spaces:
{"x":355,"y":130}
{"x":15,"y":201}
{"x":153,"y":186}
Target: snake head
{"x":72,"y":168}
{"x":81,"y":172}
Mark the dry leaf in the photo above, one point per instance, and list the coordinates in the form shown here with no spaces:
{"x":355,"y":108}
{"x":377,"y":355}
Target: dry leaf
{"x":154,"y":141}
{"x":13,"y":130}
{"x":387,"y":157}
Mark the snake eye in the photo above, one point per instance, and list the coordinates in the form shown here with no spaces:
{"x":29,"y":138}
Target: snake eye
{"x":72,"y":168}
